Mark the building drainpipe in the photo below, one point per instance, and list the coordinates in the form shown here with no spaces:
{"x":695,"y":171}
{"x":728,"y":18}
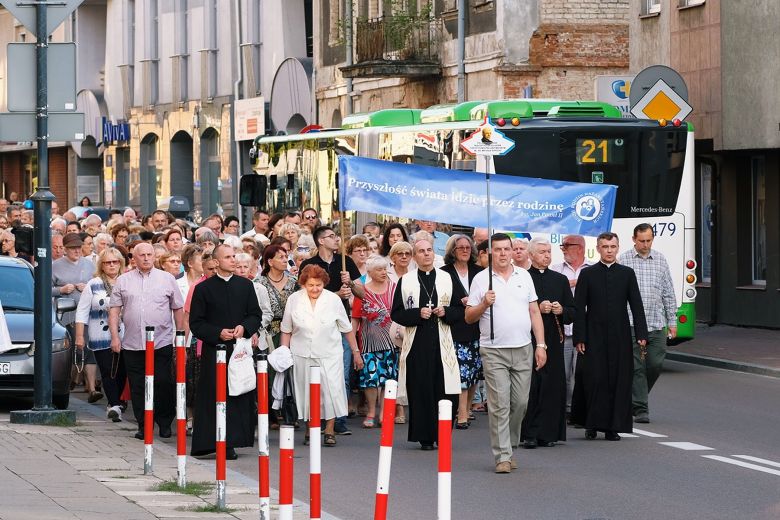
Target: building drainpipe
{"x":236,"y":96}
{"x":350,"y":61}
{"x":461,"y":51}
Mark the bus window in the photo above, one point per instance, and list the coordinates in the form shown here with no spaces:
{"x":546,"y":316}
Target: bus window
{"x":646,"y":164}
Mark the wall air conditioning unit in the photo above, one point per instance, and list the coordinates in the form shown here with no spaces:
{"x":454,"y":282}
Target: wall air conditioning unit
{"x":653,"y":6}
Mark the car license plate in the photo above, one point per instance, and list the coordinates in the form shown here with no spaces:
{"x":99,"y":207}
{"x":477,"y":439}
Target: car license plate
{"x":5,"y":368}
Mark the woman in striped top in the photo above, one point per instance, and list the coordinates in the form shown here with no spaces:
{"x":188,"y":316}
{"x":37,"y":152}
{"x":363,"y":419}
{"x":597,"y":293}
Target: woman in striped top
{"x":92,"y":312}
{"x":371,"y":315}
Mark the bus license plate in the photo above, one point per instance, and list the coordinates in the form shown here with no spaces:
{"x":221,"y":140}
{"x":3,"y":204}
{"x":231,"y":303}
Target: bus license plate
{"x":5,"y":369}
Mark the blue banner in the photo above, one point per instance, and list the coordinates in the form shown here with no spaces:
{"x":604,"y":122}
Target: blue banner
{"x":459,"y":197}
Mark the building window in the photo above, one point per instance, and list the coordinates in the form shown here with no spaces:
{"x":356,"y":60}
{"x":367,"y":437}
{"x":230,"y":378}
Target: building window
{"x":649,"y":7}
{"x":705,"y":244}
{"x":337,"y":14}
{"x":758,"y":235}
{"x":690,"y":3}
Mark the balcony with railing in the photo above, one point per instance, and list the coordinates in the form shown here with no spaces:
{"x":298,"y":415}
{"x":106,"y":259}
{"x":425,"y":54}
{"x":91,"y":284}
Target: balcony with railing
{"x":398,"y":45}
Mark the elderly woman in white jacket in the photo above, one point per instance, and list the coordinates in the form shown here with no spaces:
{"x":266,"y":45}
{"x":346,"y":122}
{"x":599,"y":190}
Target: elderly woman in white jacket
{"x":313,"y":325}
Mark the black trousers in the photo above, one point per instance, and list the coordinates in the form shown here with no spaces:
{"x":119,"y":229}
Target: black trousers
{"x":112,"y":386}
{"x":164,"y":384}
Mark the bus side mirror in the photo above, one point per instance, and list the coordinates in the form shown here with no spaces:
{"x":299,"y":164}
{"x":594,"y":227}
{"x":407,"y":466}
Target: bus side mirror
{"x":252,"y":190}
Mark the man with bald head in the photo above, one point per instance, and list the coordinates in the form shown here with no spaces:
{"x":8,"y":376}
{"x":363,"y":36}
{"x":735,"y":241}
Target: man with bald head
{"x":147,"y":297}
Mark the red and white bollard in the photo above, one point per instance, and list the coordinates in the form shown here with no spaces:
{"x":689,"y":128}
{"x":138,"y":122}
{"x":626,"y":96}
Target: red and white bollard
{"x":445,"y":460}
{"x":286,"y":452}
{"x":315,"y":467}
{"x":181,"y":409}
{"x":221,"y":423}
{"x":149,"y":401}
{"x":385,"y":451}
{"x":264,"y":491}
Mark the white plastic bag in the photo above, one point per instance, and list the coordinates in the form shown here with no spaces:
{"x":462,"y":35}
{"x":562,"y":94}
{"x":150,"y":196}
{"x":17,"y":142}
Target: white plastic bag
{"x":242,"y":377}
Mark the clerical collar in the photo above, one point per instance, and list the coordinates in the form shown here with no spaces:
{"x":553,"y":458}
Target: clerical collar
{"x":427,"y":273}
{"x":608,"y":264}
{"x":226,"y":278}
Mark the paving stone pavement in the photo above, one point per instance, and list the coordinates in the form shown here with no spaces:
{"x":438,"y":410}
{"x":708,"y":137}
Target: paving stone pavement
{"x":94,"y":470}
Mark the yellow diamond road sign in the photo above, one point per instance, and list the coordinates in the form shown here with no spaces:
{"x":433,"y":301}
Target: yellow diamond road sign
{"x":661,"y":102}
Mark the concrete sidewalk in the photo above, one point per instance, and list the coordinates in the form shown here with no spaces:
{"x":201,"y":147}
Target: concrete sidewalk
{"x":94,"y":471}
{"x":756,"y":351}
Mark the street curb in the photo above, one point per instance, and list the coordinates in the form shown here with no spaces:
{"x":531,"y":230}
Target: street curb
{"x":726,"y":364}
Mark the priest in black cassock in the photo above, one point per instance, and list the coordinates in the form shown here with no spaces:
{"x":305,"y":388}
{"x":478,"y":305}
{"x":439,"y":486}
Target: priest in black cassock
{"x":426,"y":302}
{"x":545,"y":420}
{"x":224,"y":307}
{"x":602,"y":335}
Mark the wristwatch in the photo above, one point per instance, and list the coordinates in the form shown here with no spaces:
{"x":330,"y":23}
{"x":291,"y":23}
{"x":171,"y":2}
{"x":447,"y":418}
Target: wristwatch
{"x":541,"y":345}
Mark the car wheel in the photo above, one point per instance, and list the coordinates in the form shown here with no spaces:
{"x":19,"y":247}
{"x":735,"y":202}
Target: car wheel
{"x":61,"y":401}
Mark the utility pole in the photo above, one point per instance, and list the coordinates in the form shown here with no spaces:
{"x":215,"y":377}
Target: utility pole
{"x":42,"y":412}
{"x":461,"y":51}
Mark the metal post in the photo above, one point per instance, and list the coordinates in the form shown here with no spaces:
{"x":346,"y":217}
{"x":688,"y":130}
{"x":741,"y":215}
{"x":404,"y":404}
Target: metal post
{"x":315,"y":466}
{"x":461,"y":51}
{"x":181,"y":409}
{"x":488,"y":167}
{"x":149,"y":401}
{"x":221,"y":432}
{"x":385,"y":451}
{"x":42,"y":411}
{"x":445,"y":461}
{"x":263,"y":449}
{"x":286,"y":454}
{"x":349,"y":58}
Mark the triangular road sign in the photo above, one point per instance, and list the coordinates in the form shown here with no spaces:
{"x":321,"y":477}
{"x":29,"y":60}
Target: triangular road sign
{"x":55,"y":13}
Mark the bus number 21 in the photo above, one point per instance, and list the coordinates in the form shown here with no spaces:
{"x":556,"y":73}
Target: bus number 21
{"x":664,"y":228}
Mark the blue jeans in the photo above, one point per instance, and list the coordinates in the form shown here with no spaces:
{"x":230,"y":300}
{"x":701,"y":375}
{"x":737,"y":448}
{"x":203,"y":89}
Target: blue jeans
{"x":347,"y":368}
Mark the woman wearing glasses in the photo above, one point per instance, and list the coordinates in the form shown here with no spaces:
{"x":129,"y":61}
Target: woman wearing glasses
{"x":92,"y":315}
{"x":400,"y":258}
{"x":460,"y":261}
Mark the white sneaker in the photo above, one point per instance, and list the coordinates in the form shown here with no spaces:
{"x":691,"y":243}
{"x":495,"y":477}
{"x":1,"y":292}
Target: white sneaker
{"x":114,"y":413}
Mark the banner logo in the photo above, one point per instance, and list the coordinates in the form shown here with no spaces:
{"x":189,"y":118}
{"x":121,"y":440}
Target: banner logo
{"x":588,"y":207}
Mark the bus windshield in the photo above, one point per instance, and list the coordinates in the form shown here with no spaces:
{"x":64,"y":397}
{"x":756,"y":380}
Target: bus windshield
{"x":646,"y":164}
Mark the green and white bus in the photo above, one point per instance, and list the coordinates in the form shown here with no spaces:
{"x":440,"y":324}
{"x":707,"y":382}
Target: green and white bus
{"x":651,"y":162}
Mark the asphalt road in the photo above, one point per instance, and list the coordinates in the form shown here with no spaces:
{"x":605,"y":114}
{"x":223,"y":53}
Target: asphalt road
{"x":720,"y":413}
{"x":726,"y":464}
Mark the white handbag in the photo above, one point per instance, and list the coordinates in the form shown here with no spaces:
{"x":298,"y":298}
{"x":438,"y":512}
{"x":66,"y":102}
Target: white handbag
{"x":242,"y":377}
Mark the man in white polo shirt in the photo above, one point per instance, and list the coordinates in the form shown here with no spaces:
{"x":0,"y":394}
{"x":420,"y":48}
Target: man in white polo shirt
{"x":507,"y":357}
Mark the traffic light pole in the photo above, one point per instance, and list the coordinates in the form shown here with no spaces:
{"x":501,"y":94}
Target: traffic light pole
{"x":42,"y":411}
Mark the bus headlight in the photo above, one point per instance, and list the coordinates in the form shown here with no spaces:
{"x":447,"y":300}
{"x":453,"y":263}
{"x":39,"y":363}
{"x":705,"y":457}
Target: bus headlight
{"x":58,"y":345}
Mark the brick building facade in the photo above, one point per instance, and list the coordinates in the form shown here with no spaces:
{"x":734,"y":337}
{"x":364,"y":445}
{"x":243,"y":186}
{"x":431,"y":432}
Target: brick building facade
{"x":548,"y":48}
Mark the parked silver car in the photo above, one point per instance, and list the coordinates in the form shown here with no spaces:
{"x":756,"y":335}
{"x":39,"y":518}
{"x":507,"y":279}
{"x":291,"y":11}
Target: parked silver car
{"x":16,"y":365}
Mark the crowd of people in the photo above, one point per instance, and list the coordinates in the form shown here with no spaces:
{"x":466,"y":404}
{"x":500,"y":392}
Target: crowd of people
{"x":532,"y":344}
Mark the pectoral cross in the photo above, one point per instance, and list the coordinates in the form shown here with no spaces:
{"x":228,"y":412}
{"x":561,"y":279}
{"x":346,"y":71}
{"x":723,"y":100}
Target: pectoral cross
{"x":429,"y":305}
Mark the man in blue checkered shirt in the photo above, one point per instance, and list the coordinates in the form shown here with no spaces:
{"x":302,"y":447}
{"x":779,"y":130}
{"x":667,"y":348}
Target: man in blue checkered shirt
{"x":655,"y":286}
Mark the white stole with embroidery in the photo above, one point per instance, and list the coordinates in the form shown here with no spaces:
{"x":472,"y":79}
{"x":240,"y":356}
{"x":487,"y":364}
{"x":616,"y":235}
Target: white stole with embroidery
{"x":410,"y":290}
